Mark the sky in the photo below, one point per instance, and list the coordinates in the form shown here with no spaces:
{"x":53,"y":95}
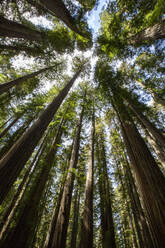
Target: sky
{"x":93,"y":19}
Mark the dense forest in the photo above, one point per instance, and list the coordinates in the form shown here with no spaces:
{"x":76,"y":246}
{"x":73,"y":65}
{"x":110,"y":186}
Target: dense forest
{"x":82,"y":134}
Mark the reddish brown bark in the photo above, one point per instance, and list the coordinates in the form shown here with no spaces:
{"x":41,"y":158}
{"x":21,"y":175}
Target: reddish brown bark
{"x":143,"y":233}
{"x":150,"y":34}
{"x":150,"y":126}
{"x":150,"y":180}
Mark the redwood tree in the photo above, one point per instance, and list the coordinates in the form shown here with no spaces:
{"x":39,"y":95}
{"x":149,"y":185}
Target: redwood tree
{"x":13,"y":162}
{"x":87,"y":222}
{"x":64,"y":211}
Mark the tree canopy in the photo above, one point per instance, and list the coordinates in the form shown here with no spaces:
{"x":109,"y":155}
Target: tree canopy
{"x":82,"y":151}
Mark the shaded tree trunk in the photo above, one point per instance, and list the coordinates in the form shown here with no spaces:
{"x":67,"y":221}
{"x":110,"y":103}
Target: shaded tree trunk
{"x":157,"y":148}
{"x":20,"y":191}
{"x":107,"y":225}
{"x":14,"y":138}
{"x":23,"y":233}
{"x":13,"y":162}
{"x":6,"y":86}
{"x":151,"y":128}
{"x":64,"y":211}
{"x":13,"y":29}
{"x":149,"y":35}
{"x":58,"y":9}
{"x":129,"y":222}
{"x":144,"y":235}
{"x":141,"y":225}
{"x":39,"y":6}
{"x":50,"y":234}
{"x":29,"y":50}
{"x":87,"y":222}
{"x":150,"y":180}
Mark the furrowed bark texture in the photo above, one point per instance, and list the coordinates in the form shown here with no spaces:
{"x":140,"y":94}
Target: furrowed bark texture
{"x":143,"y":233}
{"x":150,"y":126}
{"x":150,"y":180}
{"x":157,"y":148}
{"x":13,"y":162}
{"x":150,"y":34}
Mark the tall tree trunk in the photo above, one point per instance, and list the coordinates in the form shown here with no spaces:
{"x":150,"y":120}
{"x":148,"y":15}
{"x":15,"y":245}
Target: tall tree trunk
{"x":6,"y":86}
{"x":64,"y":211}
{"x":13,"y":162}
{"x":107,"y":224}
{"x":75,"y":220}
{"x":87,"y":222}
{"x":144,"y":236}
{"x":10,"y":125}
{"x":23,"y":233}
{"x":14,"y":138}
{"x":150,"y":34}
{"x":30,"y":50}
{"x":59,"y":10}
{"x":141,"y":225}
{"x":151,"y":128}
{"x":39,"y":6}
{"x":13,"y":29}
{"x":157,"y":148}
{"x":150,"y":180}
{"x":50,"y":234}
{"x":129,"y":224}
{"x":20,"y":191}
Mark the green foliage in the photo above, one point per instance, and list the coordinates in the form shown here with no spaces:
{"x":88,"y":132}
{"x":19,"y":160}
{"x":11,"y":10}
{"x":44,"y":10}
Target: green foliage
{"x":139,"y":79}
